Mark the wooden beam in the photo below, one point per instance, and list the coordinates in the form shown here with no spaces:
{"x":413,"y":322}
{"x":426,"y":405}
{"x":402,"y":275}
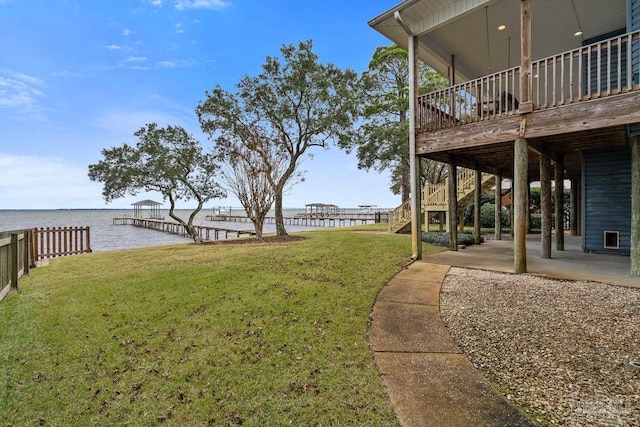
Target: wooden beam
{"x":581,"y":116}
{"x":545,"y":202}
{"x":520,"y":167}
{"x":466,"y":136}
{"x":588,"y":115}
{"x":452,"y":188}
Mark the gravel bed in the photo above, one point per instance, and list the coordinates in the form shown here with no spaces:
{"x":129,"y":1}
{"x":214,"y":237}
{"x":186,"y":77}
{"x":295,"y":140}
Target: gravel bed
{"x":561,"y":350}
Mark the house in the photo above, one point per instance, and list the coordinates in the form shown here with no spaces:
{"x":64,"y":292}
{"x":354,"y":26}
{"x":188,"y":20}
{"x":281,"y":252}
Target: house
{"x":539,"y":91}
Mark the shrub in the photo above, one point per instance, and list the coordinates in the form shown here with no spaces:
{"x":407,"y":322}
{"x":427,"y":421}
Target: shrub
{"x":535,"y":221}
{"x":441,"y":238}
{"x":487,"y":215}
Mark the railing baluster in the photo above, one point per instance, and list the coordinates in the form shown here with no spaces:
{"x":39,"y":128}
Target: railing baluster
{"x":608,"y":83}
{"x":599,"y":81}
{"x":619,"y":68}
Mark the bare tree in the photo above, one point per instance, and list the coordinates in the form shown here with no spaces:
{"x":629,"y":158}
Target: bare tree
{"x":252,"y":167}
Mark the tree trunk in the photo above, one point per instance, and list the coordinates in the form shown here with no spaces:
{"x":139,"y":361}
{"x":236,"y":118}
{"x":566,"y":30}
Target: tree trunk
{"x":280,"y":230}
{"x":405,"y":185}
{"x":188,"y":226}
{"x":258,"y":224}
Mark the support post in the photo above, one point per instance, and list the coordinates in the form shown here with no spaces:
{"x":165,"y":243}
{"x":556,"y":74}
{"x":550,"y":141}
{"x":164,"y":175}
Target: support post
{"x":452,"y":189}
{"x":498,"y":203}
{"x":414,"y":166}
{"x":635,"y":206}
{"x":520,"y":182}
{"x":545,"y":205}
{"x":477,"y":194}
{"x":559,"y":205}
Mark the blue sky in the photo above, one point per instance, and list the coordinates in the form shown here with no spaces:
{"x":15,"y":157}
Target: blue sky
{"x":77,"y":76}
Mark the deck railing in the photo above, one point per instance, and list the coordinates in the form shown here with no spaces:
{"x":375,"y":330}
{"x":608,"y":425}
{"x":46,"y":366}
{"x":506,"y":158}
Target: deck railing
{"x":485,"y":98}
{"x":598,"y":70}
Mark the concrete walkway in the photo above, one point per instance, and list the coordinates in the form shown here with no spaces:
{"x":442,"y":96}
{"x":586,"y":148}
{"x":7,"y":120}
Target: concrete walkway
{"x":429,"y":380}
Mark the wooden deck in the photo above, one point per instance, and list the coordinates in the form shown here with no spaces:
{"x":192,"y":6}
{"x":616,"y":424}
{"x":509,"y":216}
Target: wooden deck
{"x":582,"y":99}
{"x":205,"y":232}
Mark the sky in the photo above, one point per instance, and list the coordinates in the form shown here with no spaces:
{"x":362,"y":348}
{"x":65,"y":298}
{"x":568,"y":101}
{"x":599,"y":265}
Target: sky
{"x":78,"y":76}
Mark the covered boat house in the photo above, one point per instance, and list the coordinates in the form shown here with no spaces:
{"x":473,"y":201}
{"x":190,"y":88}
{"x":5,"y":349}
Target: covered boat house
{"x":147,"y":209}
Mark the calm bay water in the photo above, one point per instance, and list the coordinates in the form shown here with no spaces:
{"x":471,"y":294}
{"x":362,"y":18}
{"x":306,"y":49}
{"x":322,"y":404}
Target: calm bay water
{"x":105,"y":236}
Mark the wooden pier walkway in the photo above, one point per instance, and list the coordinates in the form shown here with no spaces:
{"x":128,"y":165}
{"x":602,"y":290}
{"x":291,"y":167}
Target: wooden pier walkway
{"x":205,"y":232}
{"x":340,"y":220}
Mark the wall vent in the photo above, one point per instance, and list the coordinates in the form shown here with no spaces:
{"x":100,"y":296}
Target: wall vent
{"x":612,"y":239}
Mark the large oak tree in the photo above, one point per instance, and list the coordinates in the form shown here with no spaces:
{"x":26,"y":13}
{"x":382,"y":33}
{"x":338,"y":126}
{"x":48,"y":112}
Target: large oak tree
{"x":297,"y":102}
{"x":167,"y":160}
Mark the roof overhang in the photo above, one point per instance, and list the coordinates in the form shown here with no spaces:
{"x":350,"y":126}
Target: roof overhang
{"x":468,"y":30}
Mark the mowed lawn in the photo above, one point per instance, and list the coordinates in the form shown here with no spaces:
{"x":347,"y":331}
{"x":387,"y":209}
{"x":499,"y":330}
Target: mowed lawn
{"x":184,"y":335}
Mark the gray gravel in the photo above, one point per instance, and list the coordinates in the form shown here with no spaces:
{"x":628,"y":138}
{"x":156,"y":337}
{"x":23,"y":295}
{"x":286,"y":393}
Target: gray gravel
{"x":560,"y":350}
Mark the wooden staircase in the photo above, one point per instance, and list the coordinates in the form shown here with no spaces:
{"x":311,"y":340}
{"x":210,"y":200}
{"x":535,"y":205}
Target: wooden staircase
{"x":435,"y":199}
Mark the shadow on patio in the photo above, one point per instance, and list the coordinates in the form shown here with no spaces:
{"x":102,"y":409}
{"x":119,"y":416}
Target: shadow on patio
{"x":571,"y":264}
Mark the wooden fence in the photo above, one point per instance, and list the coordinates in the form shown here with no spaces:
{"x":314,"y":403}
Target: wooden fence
{"x":15,"y":258}
{"x":54,"y":242}
{"x":22,"y":249}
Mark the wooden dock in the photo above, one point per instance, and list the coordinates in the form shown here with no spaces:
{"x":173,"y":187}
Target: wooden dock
{"x":205,"y":232}
{"x":339,"y":220}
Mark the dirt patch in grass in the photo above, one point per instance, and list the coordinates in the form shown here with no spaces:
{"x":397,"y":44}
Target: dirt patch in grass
{"x":268,"y":239}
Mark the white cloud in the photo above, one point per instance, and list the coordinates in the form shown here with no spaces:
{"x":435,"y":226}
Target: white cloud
{"x":136,"y":59}
{"x":20,"y":91}
{"x":127,"y":32}
{"x":167,"y":64}
{"x":179,"y":28}
{"x":201,"y":4}
{"x":45,"y":182}
{"x":112,"y":47}
{"x":156,"y":3}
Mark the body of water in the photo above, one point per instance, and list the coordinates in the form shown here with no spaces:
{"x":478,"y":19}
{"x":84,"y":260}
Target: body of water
{"x":105,"y":236}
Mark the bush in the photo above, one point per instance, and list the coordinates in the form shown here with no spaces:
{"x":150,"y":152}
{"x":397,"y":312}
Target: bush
{"x":535,"y":221}
{"x":487,"y":215}
{"x":441,"y":238}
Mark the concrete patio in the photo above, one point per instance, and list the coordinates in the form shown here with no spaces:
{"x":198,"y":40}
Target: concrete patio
{"x":571,"y":264}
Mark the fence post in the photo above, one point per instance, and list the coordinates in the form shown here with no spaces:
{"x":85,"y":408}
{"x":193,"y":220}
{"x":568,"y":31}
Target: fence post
{"x":15,"y":264}
{"x":89,"y":240}
{"x":34,"y":247}
{"x":26,"y":251}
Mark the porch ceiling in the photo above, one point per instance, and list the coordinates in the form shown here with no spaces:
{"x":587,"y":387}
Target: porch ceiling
{"x":499,"y":157}
{"x":468,"y":29}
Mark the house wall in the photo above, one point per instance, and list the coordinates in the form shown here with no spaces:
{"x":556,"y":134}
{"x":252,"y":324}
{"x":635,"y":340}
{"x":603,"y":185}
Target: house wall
{"x":606,"y":200}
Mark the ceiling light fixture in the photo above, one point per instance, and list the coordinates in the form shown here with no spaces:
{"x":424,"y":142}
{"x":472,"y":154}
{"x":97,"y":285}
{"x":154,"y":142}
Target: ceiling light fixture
{"x":577,"y":33}
{"x":502,"y":27}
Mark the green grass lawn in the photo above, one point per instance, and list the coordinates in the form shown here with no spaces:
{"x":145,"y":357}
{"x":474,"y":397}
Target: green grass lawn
{"x":185,"y":335}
